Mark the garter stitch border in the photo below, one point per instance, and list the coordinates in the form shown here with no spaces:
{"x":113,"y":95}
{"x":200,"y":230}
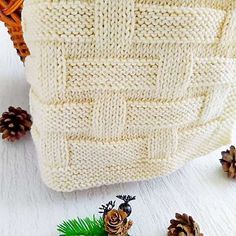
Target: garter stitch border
{"x":127,"y":90}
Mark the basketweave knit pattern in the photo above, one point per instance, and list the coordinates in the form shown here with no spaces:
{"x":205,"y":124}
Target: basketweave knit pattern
{"x":127,"y":90}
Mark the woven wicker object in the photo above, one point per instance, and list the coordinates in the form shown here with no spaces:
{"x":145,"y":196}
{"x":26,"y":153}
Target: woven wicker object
{"x":126,"y":90}
{"x":10,"y":14}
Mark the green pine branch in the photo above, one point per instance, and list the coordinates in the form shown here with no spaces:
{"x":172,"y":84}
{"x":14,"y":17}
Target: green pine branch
{"x":82,"y":227}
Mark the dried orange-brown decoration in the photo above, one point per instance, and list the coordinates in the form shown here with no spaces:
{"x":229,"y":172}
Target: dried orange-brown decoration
{"x":10,"y":14}
{"x":116,"y":223}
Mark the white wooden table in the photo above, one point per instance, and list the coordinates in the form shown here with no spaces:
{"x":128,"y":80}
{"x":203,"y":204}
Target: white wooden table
{"x":28,"y":207}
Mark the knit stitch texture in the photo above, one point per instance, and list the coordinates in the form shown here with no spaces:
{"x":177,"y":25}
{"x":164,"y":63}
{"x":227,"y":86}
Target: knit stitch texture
{"x":127,"y":90}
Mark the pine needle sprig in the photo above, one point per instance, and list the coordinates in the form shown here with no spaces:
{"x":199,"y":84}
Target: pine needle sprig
{"x":83,"y":227}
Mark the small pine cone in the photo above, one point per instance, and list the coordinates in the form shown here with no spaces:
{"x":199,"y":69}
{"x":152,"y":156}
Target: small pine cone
{"x":116,"y":223}
{"x":228,"y":162}
{"x":14,"y":124}
{"x":183,"y":225}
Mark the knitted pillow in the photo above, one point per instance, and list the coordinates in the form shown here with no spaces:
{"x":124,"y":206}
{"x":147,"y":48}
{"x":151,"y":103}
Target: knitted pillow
{"x":127,"y":90}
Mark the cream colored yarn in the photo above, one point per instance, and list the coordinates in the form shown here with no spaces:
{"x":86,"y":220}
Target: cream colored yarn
{"x":126,"y":90}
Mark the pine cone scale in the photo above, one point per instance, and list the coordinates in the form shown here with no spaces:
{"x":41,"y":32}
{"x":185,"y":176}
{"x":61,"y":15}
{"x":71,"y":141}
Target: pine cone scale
{"x":22,"y":128}
{"x":1,"y":129}
{"x":182,"y":234}
{"x":5,"y":134}
{"x":11,"y":125}
{"x":20,"y":117}
{"x":27,"y":124}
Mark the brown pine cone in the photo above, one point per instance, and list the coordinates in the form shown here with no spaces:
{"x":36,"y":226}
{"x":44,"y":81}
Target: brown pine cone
{"x":14,"y":124}
{"x":116,"y":223}
{"x":183,"y":225}
{"x":228,"y":161}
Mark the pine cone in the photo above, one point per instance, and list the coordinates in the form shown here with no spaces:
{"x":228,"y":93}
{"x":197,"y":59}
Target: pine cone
{"x":183,"y":225}
{"x":14,"y":124}
{"x":228,"y":162}
{"x":116,"y":223}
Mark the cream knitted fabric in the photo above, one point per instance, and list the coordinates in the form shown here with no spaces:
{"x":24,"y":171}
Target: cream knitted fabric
{"x":126,"y":90}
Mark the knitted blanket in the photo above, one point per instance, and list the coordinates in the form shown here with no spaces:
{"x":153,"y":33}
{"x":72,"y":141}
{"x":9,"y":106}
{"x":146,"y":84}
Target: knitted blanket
{"x":127,"y":90}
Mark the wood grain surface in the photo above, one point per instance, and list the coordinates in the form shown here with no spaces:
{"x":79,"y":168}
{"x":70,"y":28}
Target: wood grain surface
{"x":29,"y":208}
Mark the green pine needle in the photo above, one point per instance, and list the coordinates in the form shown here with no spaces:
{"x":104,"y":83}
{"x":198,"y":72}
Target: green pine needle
{"x":82,"y":227}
